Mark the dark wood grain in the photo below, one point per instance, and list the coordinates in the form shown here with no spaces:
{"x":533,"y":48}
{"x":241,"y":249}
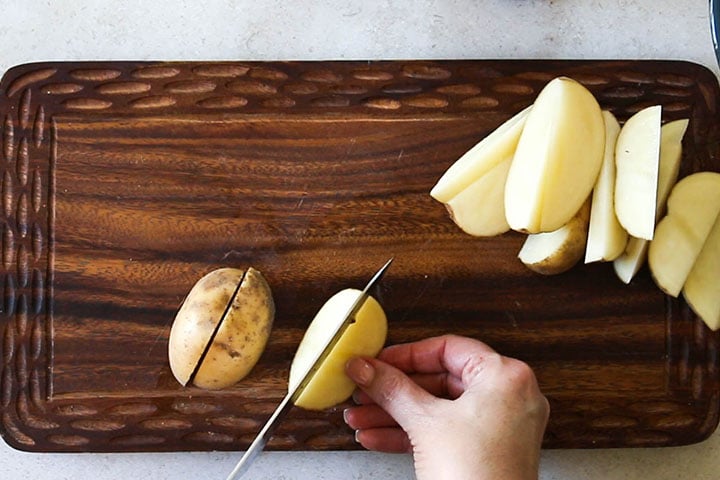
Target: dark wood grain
{"x":123,"y":183}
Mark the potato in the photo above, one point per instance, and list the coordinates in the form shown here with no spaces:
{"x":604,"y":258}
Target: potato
{"x":480,"y":159}
{"x":365,"y":337}
{"x":221,"y":328}
{"x":557,"y":160}
{"x":637,"y":158}
{"x":635,"y":253}
{"x":702,"y":287}
{"x":606,"y":237}
{"x":555,"y":252}
{"x":693,"y":207}
{"x":479,"y":210}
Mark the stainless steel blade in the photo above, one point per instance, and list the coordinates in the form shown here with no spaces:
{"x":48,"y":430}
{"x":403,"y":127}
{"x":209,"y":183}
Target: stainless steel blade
{"x":294,"y":393}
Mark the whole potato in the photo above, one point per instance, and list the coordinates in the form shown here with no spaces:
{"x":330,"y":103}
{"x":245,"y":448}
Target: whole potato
{"x":221,"y":328}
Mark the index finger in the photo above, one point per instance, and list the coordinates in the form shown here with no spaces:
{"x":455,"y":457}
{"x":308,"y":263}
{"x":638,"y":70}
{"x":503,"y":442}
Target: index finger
{"x":447,"y":353}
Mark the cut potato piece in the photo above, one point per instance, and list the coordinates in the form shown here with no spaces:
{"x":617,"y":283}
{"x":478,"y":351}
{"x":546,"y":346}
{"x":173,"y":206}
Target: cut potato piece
{"x":556,"y":252}
{"x":702,"y":287}
{"x":365,"y":337}
{"x":480,"y":159}
{"x":557,"y":160}
{"x":693,"y":208}
{"x":480,"y":209}
{"x":637,"y":155}
{"x":606,"y":237}
{"x":635,"y":254}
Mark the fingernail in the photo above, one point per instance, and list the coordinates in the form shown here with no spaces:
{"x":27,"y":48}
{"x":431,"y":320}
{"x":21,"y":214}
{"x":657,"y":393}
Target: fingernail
{"x":357,"y":436}
{"x":345,"y":415}
{"x":360,"y":371}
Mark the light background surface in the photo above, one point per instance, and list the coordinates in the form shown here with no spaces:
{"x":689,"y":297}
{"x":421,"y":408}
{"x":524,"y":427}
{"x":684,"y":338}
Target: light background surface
{"x":37,"y":30}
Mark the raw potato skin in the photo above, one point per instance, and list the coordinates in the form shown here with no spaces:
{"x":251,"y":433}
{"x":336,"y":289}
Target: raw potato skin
{"x":365,"y":337}
{"x":240,"y":338}
{"x":571,"y":250}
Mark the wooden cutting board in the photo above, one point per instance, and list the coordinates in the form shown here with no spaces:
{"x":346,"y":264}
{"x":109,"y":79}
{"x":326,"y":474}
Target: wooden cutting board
{"x":123,"y":183}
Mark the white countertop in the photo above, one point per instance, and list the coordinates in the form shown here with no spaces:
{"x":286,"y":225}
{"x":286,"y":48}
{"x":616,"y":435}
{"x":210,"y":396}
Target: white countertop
{"x":35,"y":30}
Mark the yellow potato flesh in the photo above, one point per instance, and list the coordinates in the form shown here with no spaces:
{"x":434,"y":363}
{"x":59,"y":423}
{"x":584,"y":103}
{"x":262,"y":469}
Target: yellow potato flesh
{"x":693,"y":208}
{"x":702,"y":287}
{"x":557,"y":159}
{"x":635,"y":253}
{"x":221,"y":329}
{"x":365,"y":337}
{"x":637,"y":157}
{"x":606,"y":237}
{"x":480,"y":159}
{"x":479,"y":210}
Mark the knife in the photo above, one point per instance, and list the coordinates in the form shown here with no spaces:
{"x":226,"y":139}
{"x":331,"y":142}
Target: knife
{"x":294,"y":393}
{"x":715,"y":27}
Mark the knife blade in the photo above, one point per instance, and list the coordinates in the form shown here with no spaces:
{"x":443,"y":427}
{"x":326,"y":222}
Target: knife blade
{"x":294,"y":393}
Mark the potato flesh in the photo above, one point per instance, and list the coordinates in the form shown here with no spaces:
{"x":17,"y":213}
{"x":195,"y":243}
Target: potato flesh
{"x":606,"y":237}
{"x":479,"y":210}
{"x":557,"y":159}
{"x":702,"y":287}
{"x":693,"y":207}
{"x":635,"y":253}
{"x":555,"y":252}
{"x":365,"y":337}
{"x":232,"y":311}
{"x":480,"y":159}
{"x":637,"y":155}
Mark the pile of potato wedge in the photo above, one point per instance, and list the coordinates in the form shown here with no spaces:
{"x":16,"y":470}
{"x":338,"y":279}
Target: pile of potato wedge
{"x":580,"y":185}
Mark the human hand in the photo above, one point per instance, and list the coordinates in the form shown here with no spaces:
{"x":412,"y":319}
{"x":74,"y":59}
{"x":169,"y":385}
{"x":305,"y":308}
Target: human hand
{"x":461,"y":409}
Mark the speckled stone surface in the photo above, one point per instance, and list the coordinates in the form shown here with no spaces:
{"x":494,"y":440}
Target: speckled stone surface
{"x":35,"y":30}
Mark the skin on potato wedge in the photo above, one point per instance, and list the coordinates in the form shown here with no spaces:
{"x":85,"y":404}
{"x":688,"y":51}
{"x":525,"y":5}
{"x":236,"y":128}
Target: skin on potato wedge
{"x":557,"y":252}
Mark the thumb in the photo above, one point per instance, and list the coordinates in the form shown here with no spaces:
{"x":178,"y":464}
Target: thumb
{"x":390,"y":388}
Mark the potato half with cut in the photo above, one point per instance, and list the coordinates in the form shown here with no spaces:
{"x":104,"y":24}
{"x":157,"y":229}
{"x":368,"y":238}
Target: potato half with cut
{"x":221,"y":329}
{"x":364,"y":337}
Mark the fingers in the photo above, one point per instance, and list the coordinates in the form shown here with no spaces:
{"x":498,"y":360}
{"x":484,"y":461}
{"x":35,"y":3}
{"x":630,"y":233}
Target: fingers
{"x":448,"y":353}
{"x":391,"y":389}
{"x":441,"y":385}
{"x":368,"y":416}
{"x":388,"y":440}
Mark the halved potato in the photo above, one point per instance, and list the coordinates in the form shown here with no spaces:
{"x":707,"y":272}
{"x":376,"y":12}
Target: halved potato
{"x":365,"y":337}
{"x":221,"y":329}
